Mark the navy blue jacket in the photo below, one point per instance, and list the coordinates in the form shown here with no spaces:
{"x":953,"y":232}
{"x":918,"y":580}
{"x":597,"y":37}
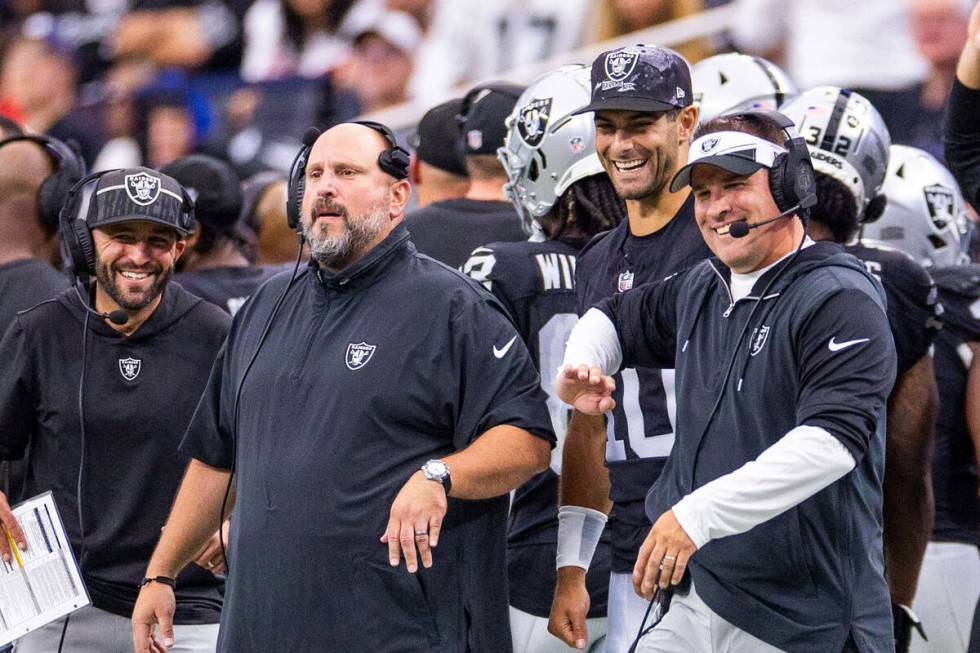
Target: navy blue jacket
{"x":364,"y":376}
{"x":748,"y":373}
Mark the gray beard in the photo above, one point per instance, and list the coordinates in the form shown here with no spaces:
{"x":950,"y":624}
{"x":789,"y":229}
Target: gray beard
{"x":338,"y":251}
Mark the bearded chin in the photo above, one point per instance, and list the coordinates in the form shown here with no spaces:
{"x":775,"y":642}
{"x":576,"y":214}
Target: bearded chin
{"x":339,"y":251}
{"x":106,"y":279}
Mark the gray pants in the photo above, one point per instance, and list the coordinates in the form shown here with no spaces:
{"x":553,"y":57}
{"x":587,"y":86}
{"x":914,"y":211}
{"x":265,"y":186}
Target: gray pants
{"x":91,"y":630}
{"x":690,"y":626}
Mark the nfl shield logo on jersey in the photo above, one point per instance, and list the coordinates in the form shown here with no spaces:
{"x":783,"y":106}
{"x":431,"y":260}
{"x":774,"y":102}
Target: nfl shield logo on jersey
{"x":534,"y":120}
{"x":939,"y":199}
{"x":625,"y":281}
{"x":358,"y":355}
{"x":143,"y":188}
{"x":129,"y":368}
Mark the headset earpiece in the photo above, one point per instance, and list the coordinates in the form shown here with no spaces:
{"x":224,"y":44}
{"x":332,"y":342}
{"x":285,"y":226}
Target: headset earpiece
{"x":395,"y":160}
{"x":74,"y":225}
{"x":296,"y":183}
{"x":792,"y":180}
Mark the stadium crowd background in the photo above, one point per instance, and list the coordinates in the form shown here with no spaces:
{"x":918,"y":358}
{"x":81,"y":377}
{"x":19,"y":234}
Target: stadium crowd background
{"x":145,"y":81}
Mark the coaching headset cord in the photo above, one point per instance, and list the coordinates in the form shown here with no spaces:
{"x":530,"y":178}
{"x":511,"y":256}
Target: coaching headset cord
{"x":238,"y":396}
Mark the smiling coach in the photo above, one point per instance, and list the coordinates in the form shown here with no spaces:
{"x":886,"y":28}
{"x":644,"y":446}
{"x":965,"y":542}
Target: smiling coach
{"x":771,"y":499}
{"x":102,"y":391}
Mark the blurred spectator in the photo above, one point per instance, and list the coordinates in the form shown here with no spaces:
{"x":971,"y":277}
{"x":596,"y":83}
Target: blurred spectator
{"x":422,"y":11}
{"x":264,"y":211}
{"x":301,"y":37}
{"x":198,"y":34}
{"x":449,"y":230}
{"x":834,"y":42}
{"x":219,"y":262}
{"x":470,"y":39}
{"x":38,"y":84}
{"x":438,"y":172}
{"x":939,"y":29}
{"x":614,"y":18}
{"x":380,"y":63}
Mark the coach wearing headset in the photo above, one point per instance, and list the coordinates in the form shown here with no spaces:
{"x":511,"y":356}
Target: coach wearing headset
{"x":381,"y":413}
{"x":770,"y":503}
{"x":101,"y":382}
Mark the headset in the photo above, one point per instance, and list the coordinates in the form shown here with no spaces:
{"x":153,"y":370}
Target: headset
{"x":792,"y":180}
{"x":394,"y":160}
{"x":69,"y":168}
{"x":77,"y":209}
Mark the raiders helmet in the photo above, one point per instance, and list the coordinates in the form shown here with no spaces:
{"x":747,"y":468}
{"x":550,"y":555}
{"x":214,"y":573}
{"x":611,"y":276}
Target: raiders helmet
{"x":546,"y":149}
{"x":726,"y":83}
{"x":847,"y":138}
{"x":925,"y":216}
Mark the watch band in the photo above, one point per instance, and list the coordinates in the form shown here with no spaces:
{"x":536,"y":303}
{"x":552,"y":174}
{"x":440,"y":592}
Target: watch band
{"x":166,"y":580}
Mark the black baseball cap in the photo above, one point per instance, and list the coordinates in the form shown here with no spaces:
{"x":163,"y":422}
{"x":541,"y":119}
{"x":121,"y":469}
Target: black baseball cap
{"x":483,"y":116}
{"x":215,"y":187}
{"x":639,"y":78}
{"x":140,"y":194}
{"x":435,"y":138}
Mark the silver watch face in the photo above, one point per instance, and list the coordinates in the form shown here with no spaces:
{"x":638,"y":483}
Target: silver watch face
{"x":435,"y":470}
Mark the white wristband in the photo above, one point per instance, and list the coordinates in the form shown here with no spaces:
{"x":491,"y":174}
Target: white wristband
{"x":579,"y":530}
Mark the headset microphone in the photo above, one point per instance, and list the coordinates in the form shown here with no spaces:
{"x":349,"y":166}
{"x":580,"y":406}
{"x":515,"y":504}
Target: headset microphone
{"x":118,"y":317}
{"x":742,"y":229}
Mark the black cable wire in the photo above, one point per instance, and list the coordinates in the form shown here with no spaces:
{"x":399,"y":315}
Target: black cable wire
{"x":81,"y":439}
{"x":237,"y":404}
{"x":64,"y":631}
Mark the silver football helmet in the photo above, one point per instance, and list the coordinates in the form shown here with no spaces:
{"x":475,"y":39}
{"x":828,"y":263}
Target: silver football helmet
{"x":546,"y":149}
{"x":847,"y":138}
{"x":925,"y":216}
{"x":727,"y":83}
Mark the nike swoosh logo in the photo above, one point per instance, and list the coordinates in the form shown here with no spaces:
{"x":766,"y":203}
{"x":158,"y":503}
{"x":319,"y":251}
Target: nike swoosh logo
{"x":500,"y":353}
{"x":837,"y":346}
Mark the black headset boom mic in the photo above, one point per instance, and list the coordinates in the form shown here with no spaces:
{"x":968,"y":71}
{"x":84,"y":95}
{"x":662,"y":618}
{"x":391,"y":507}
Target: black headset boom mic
{"x":742,"y":229}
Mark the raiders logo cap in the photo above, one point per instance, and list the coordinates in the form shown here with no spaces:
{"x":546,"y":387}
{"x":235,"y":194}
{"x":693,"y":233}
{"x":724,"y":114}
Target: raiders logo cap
{"x":639,"y":78}
{"x":140,"y":194}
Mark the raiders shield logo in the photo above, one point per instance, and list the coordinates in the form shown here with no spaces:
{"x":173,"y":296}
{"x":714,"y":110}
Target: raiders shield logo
{"x":129,"y":368}
{"x":759,"y":337}
{"x":534,"y":120}
{"x":358,"y":355}
{"x":939,"y":199}
{"x":709,"y":144}
{"x":143,"y":188}
{"x":620,"y":64}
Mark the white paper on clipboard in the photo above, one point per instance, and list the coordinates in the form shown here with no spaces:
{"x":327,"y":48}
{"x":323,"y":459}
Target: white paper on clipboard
{"x":41,"y":584}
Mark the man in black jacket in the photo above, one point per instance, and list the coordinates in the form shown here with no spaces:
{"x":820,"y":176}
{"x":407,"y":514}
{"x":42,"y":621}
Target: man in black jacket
{"x":385,"y":413}
{"x":771,"y":498}
{"x":102,"y":394}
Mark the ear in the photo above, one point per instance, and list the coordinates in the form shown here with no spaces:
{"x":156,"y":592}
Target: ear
{"x":414,"y":172}
{"x":400,"y":192}
{"x":180,"y":246}
{"x":688,"y":120}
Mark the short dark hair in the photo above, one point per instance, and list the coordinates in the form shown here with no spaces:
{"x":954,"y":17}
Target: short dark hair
{"x":483,"y":166}
{"x":749,"y":123}
{"x":835,"y":208}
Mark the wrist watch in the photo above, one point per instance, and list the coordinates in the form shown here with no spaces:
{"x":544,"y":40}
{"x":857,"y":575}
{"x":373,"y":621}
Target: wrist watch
{"x":436,"y":470}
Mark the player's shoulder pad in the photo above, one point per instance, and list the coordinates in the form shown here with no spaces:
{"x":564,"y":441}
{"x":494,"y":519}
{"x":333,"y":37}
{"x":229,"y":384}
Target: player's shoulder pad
{"x":961,"y":279}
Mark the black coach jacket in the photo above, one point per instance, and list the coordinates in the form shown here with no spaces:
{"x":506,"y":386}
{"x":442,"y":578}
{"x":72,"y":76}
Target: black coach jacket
{"x":810,"y":346}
